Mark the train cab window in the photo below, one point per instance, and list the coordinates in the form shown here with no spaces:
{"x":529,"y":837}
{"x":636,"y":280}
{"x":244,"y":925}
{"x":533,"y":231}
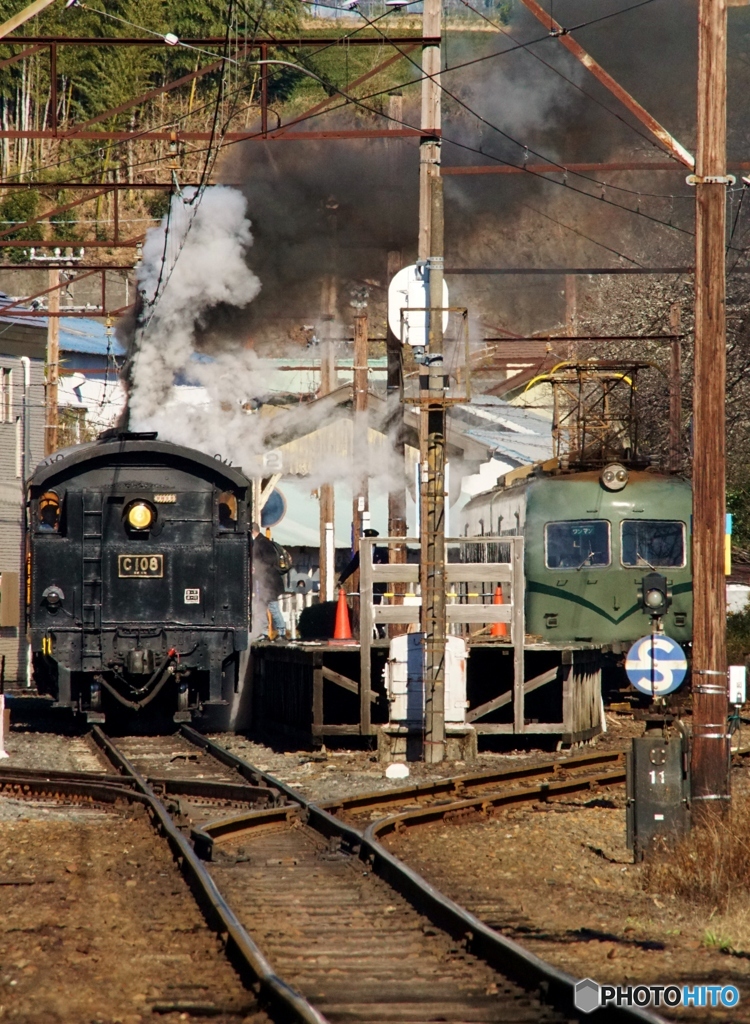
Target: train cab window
{"x":227,"y":511}
{"x":653,"y":543}
{"x":577,"y":544}
{"x":48,"y":513}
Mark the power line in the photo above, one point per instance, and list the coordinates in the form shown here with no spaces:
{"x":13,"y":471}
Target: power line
{"x":557,"y":71}
{"x":582,"y":235}
{"x":515,"y":142}
{"x":363,"y":105}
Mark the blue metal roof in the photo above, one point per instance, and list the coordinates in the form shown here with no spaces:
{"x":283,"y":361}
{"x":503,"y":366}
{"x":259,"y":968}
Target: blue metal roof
{"x":77,"y":334}
{"x":89,"y":336}
{"x":28,"y":321}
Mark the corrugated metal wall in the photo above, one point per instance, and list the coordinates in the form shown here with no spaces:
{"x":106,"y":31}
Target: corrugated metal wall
{"x":13,"y":645}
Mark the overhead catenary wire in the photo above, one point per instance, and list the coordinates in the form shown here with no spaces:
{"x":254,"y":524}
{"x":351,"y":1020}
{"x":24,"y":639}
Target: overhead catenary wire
{"x":556,"y":71}
{"x":581,"y":234}
{"x":176,"y":118}
{"x":363,"y":105}
{"x":373,"y":23}
{"x":527,"y":149}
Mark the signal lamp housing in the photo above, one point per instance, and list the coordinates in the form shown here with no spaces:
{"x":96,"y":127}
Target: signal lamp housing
{"x":655,"y":597}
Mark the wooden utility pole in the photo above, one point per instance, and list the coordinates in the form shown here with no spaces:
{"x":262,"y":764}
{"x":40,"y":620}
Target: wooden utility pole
{"x":53,"y":363}
{"x":432,"y":406}
{"x":429,"y":144}
{"x":23,"y":16}
{"x":710,"y":757}
{"x":327,"y":503}
{"x":675,"y":391}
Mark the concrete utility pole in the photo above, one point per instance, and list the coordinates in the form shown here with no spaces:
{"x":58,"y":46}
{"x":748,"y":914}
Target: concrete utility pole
{"x":23,"y":16}
{"x":53,"y":363}
{"x":432,"y":393}
{"x":395,"y":422}
{"x":327,"y":500}
{"x":361,"y":497}
{"x":710,"y":758}
{"x":432,"y":503}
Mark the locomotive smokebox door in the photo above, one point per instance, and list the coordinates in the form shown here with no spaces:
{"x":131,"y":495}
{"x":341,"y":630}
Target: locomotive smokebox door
{"x":658,"y":788}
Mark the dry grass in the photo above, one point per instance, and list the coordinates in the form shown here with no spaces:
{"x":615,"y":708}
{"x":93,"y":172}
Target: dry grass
{"x":709,"y":868}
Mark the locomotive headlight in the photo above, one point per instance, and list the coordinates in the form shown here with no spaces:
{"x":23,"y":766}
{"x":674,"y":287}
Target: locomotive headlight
{"x":614,"y":477}
{"x":654,"y":599}
{"x":140,"y":516}
{"x":53,"y":597}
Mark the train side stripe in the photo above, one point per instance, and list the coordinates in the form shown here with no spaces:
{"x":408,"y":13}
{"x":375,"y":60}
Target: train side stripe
{"x":541,"y":588}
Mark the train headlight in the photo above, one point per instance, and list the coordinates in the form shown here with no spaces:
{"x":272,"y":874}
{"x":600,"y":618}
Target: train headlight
{"x":614,"y":477}
{"x":140,"y":515}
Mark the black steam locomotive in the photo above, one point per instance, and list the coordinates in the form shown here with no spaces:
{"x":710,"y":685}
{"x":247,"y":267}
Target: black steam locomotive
{"x":138,"y":568}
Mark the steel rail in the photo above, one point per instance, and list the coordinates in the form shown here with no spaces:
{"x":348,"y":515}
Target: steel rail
{"x":234,"y":825}
{"x":204,"y":789}
{"x":483,"y":804}
{"x":40,"y":774}
{"x":253,"y":968}
{"x":22,"y":786}
{"x":500,"y":952}
{"x":459,"y":783}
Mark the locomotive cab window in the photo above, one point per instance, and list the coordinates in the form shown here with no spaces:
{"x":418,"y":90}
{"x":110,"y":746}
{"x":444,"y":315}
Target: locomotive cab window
{"x":227,"y":510}
{"x":49,"y":511}
{"x":577,"y":544}
{"x":653,"y":543}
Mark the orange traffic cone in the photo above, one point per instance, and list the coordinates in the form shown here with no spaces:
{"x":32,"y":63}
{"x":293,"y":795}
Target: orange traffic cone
{"x":342,"y":630}
{"x":498,"y":628}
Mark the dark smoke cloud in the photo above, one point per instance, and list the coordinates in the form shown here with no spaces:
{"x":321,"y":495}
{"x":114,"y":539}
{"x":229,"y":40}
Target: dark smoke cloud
{"x":325,"y":208}
{"x":337,"y":207}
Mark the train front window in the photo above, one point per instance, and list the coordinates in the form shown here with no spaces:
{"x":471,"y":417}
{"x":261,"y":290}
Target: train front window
{"x":653,"y":543}
{"x":577,"y":544}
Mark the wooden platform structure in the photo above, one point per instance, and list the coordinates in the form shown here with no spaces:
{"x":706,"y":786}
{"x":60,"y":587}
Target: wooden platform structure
{"x":308,"y":691}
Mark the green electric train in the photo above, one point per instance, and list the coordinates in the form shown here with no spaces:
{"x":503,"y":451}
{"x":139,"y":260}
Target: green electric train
{"x":592,"y":537}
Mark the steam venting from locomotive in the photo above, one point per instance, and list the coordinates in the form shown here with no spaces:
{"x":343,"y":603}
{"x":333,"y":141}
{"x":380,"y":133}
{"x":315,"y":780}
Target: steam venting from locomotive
{"x":191,"y":328}
{"x":193,"y":264}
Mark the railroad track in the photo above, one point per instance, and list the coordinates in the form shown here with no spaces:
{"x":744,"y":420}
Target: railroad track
{"x":356,"y":935}
{"x":192,"y":782}
{"x":603,"y":768}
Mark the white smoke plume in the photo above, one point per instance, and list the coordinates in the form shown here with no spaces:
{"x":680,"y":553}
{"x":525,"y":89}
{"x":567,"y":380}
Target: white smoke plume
{"x":195,"y":260}
{"x":204,"y":272}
